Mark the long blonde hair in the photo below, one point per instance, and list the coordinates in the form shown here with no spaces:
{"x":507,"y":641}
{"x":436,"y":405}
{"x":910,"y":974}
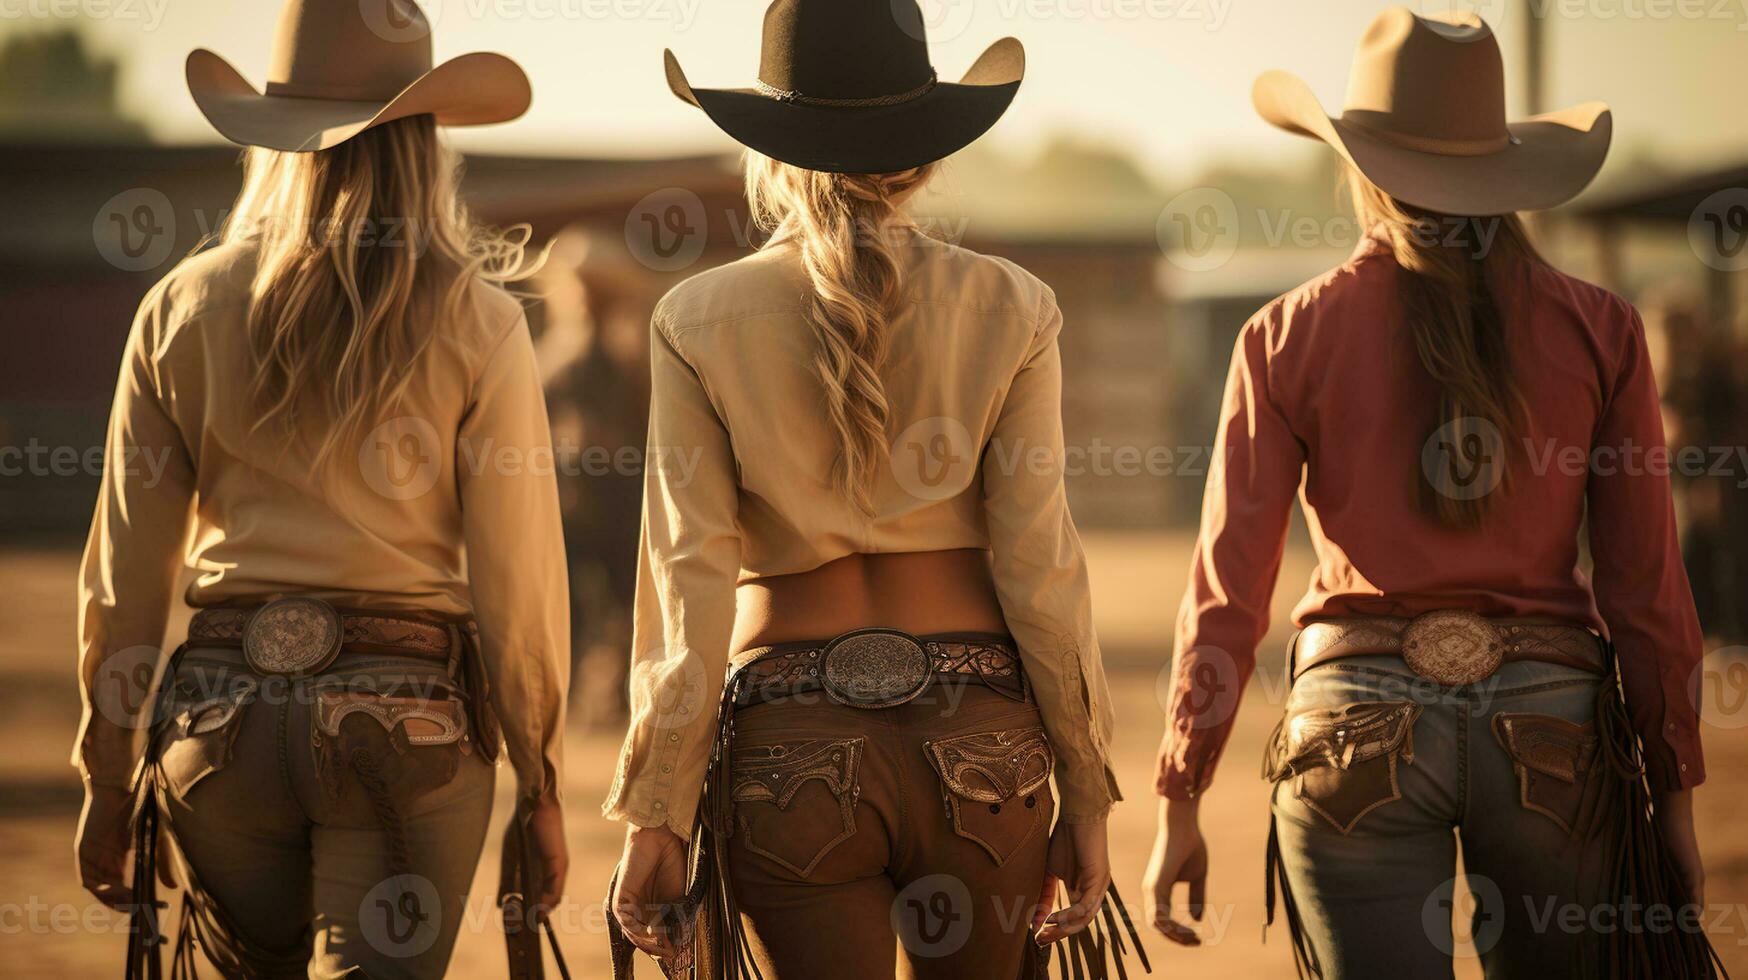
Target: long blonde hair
{"x":355,"y":243}
{"x":848,"y":228}
{"x":1453,"y":266}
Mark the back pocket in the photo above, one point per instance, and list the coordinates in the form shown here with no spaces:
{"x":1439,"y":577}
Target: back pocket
{"x":1343,"y":760}
{"x":205,"y":712}
{"x":996,"y":786}
{"x":1553,"y":757}
{"x":794,"y":801}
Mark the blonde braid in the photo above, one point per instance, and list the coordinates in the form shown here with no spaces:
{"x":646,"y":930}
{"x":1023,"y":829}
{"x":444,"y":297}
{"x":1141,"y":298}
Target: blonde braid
{"x":847,"y":227}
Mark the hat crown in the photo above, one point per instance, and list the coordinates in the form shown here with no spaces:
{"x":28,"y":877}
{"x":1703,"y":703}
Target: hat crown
{"x":1434,"y":79}
{"x":845,"y":49}
{"x":364,"y":50}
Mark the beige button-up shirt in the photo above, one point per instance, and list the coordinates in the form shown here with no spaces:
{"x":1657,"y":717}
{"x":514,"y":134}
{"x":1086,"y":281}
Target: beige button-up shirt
{"x":738,"y":485}
{"x":451,"y":507}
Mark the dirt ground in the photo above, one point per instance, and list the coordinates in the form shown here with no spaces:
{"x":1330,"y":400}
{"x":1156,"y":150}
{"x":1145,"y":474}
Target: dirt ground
{"x":49,"y":928}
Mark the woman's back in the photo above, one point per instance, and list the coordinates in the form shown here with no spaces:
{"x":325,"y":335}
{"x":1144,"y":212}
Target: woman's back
{"x":1346,"y":384}
{"x":965,"y":327}
{"x":378,"y":524}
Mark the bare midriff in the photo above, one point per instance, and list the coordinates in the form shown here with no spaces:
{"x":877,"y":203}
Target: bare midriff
{"x":920,"y":592}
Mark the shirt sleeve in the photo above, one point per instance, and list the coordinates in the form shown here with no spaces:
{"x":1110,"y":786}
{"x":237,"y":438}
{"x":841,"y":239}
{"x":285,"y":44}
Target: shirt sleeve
{"x":1640,"y":583}
{"x":132,"y":559}
{"x":1041,"y":578}
{"x":515,"y":560}
{"x":683,"y":621}
{"x":1256,"y":469}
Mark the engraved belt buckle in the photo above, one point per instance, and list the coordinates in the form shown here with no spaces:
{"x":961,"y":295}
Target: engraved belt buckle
{"x":1452,"y":646}
{"x":875,"y":668}
{"x":292,"y":637}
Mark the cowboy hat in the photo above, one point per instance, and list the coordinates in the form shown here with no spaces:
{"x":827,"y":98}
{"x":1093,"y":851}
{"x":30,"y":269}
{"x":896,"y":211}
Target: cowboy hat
{"x":339,"y":67}
{"x":1425,"y":121}
{"x":846,"y":86}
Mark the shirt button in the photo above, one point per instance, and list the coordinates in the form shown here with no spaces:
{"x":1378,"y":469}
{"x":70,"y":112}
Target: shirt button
{"x":667,"y":768}
{"x":659,"y":805}
{"x":1684,"y":767}
{"x":673,"y":736}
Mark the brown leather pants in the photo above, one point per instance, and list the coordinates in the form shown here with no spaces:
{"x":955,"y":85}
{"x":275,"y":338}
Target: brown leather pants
{"x":906,"y":841}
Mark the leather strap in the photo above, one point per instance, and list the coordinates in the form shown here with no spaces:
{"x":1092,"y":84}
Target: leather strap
{"x":787,"y":669}
{"x":360,"y":632}
{"x":1570,"y":646}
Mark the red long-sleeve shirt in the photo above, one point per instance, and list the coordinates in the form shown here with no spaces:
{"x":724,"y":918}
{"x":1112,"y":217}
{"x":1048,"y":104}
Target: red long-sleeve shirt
{"x":1327,"y":398}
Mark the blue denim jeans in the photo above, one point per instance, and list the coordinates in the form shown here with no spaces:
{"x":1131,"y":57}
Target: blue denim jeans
{"x":1381,"y":775}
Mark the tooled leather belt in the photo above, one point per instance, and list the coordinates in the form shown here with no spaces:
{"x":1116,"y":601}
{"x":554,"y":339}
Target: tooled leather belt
{"x":879,"y":668}
{"x":302,"y":635}
{"x":1450,"y":646}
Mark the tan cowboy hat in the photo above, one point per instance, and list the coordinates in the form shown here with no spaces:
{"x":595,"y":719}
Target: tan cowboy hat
{"x":340,"y":67}
{"x":1425,"y":121}
{"x":846,"y":86}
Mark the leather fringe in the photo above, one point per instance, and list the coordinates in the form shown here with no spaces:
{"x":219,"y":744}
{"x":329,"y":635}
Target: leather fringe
{"x":1093,"y":952}
{"x":1274,"y":875}
{"x":143,"y":936}
{"x":1637,"y":867}
{"x":523,"y":928}
{"x":721,"y":949}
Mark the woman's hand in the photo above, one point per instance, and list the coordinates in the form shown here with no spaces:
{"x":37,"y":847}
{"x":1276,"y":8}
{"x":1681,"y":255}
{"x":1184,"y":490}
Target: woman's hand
{"x":1179,"y":854}
{"x":1080,"y":860}
{"x":1675,"y":823}
{"x":652,"y":876}
{"x":547,"y":842}
{"x":103,"y":845}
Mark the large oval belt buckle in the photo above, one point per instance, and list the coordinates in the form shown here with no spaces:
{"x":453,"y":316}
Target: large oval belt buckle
{"x":296,"y":637}
{"x":1452,"y":646}
{"x":875,"y":668}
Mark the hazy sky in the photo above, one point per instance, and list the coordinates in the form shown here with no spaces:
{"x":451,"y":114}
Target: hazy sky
{"x":1168,"y":79}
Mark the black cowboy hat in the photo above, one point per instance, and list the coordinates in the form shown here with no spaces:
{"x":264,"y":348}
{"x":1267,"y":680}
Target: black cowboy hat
{"x":846,"y":86}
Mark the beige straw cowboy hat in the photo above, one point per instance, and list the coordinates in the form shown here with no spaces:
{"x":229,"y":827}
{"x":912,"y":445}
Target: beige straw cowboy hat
{"x":1425,"y":121}
{"x":339,"y":67}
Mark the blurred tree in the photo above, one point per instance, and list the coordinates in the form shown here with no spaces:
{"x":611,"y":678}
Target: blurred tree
{"x":54,"y":88}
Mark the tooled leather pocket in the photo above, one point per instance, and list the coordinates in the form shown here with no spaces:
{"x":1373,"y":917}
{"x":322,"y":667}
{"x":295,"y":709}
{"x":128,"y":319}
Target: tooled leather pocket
{"x":794,"y":801}
{"x":413,"y":744}
{"x":1553,"y":759}
{"x":203,"y":723}
{"x":1343,"y":760}
{"x":996,"y":786}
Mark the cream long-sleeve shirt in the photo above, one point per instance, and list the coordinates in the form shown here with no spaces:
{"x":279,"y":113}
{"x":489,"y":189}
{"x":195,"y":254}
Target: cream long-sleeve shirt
{"x":450,"y":507}
{"x":738,"y":485}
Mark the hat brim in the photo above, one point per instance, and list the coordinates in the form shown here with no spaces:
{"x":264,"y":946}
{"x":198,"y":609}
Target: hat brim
{"x":1553,"y":156}
{"x":865,"y":139}
{"x":471,"y":90}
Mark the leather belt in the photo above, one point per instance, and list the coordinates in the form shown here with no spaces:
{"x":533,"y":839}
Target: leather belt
{"x":301,"y":635}
{"x":878,"y":668}
{"x":1450,"y":646}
